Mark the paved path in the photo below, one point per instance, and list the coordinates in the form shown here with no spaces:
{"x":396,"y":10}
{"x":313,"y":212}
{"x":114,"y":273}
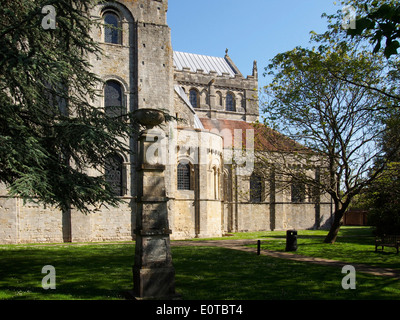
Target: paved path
{"x":241,"y":245}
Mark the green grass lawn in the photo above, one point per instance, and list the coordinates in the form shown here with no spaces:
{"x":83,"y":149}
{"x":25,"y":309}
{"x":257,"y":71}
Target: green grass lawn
{"x":205,"y":273}
{"x":353,"y":245}
{"x":103,"y":271}
{"x":82,"y":272}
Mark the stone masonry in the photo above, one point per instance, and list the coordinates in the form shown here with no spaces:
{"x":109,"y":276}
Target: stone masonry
{"x":205,"y":195}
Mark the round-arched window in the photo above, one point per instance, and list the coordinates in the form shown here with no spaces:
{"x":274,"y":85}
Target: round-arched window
{"x":230,"y":102}
{"x":184,"y":176}
{"x":194,"y":98}
{"x":113,"y":99}
{"x":112,"y":31}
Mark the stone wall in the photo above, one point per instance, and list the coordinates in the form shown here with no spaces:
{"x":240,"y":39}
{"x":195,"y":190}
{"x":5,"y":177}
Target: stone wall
{"x":34,"y":223}
{"x":183,"y":113}
{"x":8,"y":220}
{"x":114,"y":224}
{"x":37,"y":223}
{"x":197,"y":212}
{"x":274,"y":212}
{"x":143,"y":64}
{"x":253,"y":217}
{"x":213,"y":89}
{"x":184,"y":221}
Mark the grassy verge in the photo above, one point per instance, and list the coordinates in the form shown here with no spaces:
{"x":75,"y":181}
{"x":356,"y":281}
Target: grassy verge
{"x":103,"y":271}
{"x":354,"y":245}
{"x":82,"y":272}
{"x":216,"y":273}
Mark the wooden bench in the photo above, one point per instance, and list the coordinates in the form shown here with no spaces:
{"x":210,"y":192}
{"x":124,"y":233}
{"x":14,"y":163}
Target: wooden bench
{"x":387,"y":241}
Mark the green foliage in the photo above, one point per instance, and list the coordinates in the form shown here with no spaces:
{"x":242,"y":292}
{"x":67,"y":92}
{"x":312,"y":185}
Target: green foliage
{"x":317,"y":100}
{"x":51,"y":132}
{"x":333,"y":99}
{"x":378,"y":21}
{"x":384,"y":193}
{"x":384,"y":201}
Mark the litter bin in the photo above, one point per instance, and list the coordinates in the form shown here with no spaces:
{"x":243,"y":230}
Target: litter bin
{"x":291,"y":240}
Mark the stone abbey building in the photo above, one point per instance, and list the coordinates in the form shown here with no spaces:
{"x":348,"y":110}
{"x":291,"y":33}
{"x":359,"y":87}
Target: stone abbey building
{"x":215,"y":105}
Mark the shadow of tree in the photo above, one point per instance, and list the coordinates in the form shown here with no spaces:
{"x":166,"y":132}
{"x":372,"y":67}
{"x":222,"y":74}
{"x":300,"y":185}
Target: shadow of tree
{"x":217,"y":273}
{"x":102,"y":272}
{"x":94,"y":272}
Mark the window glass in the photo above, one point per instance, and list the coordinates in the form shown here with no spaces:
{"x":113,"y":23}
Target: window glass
{"x":255,"y":189}
{"x":113,"y":99}
{"x":194,"y":98}
{"x":183,"y":176}
{"x":111,"y":31}
{"x":230,"y":102}
{"x":113,"y":173}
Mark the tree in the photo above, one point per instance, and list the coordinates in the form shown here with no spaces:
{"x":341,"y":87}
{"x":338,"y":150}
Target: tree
{"x":367,"y":36}
{"x":378,"y":21}
{"x":51,"y":131}
{"x":384,"y":193}
{"x":337,"y":122}
{"x":383,"y":200}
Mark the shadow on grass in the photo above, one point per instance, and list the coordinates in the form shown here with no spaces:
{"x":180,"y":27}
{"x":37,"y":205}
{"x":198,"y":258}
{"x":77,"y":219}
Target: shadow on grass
{"x":348,"y":248}
{"x":87,"y":272}
{"x":103,"y":271}
{"x":63,"y":293}
{"x":217,"y":273}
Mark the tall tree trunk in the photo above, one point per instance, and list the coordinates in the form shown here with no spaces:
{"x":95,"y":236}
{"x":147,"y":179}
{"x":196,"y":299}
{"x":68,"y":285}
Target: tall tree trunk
{"x":66,"y":225}
{"x":337,"y":223}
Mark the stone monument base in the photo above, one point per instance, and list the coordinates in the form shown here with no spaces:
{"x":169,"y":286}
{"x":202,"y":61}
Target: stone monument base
{"x":154,"y":282}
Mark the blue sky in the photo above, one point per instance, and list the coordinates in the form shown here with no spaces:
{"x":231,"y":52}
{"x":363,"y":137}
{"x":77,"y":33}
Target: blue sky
{"x":251,"y":30}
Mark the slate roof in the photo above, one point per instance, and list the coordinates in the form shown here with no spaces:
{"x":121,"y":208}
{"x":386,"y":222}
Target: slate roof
{"x":206,"y":63}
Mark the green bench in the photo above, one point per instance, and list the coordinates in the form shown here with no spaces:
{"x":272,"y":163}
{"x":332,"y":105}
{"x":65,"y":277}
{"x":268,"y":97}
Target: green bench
{"x":387,"y":241}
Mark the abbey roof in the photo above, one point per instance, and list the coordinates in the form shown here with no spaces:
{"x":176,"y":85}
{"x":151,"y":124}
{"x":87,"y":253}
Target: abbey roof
{"x":208,"y":64}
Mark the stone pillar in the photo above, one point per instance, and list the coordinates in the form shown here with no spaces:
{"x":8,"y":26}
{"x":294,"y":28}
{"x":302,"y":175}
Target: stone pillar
{"x":153,"y":272}
{"x":212,"y":95}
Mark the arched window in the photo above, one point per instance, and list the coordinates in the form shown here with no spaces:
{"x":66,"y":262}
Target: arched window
{"x":113,"y":173}
{"x":215,"y":173}
{"x":194,"y":98}
{"x":112,"y":31}
{"x":204,"y":98}
{"x":298,"y":191}
{"x":242,"y":102}
{"x":184,"y":177}
{"x":219,"y":98}
{"x":230,"y":102}
{"x":255,"y":188}
{"x":113,"y":99}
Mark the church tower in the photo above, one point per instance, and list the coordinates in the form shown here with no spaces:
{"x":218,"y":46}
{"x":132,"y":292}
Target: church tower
{"x":138,"y":51}
{"x":137,"y":73}
{"x":216,"y":87}
{"x":137,"y":44}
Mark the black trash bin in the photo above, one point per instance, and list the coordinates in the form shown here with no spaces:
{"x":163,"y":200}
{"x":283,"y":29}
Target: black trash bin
{"x":291,"y":240}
